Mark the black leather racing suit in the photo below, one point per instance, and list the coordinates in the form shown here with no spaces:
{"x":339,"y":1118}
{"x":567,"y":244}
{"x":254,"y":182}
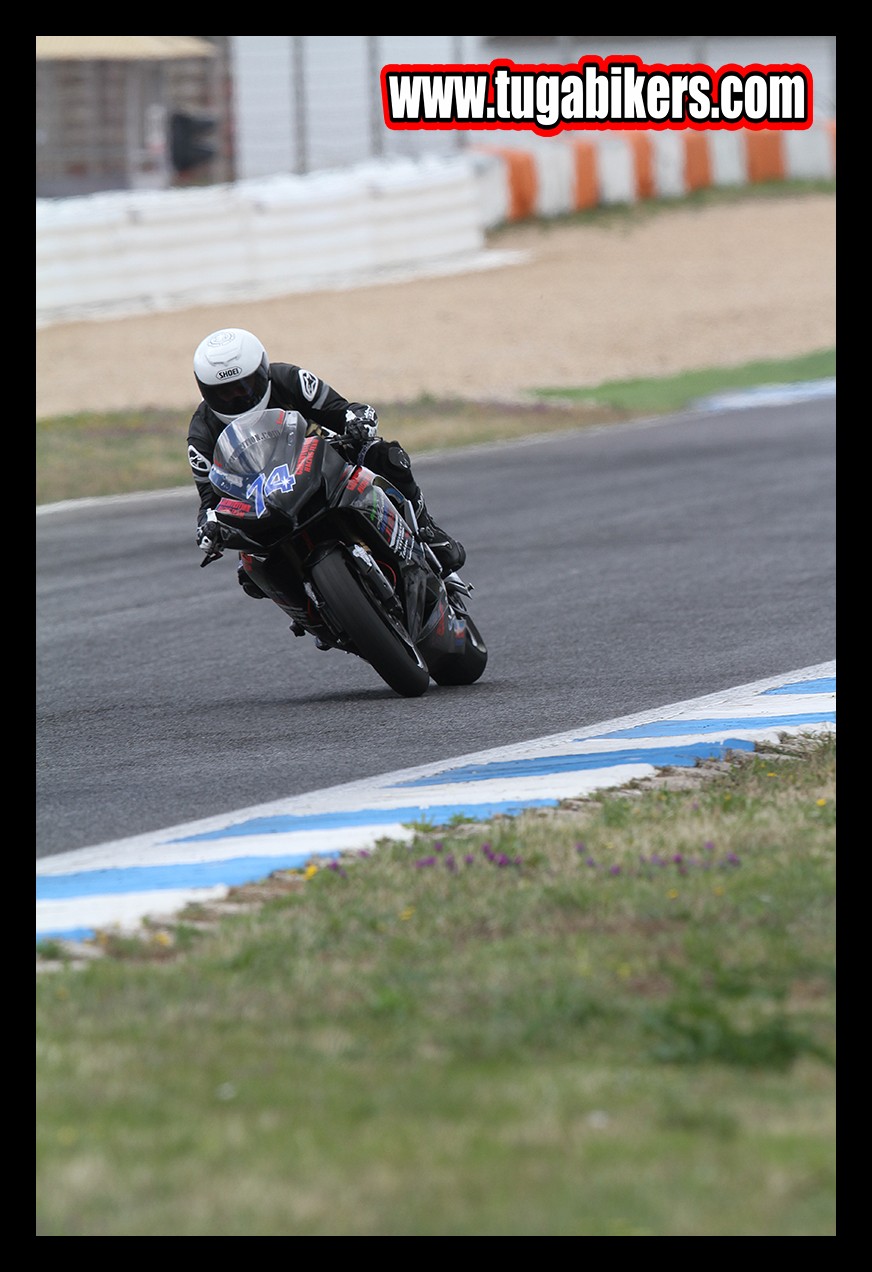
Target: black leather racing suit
{"x":294,"y":389}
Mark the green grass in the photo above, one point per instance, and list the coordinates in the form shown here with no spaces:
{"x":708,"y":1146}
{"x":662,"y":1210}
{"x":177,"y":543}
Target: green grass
{"x":676,"y":393}
{"x":613,"y":1019}
{"x":87,"y":455}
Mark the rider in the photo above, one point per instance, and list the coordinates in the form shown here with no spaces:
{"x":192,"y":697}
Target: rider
{"x":234,"y":375}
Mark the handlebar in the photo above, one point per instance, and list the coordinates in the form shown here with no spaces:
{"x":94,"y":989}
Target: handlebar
{"x":338,"y":439}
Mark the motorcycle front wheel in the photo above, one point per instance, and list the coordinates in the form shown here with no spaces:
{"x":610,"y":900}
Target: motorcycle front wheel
{"x":360,"y":618}
{"x":465,"y":667}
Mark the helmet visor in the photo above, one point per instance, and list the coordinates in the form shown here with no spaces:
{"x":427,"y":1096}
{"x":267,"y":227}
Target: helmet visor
{"x":239,"y":394}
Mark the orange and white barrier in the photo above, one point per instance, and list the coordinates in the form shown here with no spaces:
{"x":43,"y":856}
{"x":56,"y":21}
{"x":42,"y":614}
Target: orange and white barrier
{"x":575,"y":171}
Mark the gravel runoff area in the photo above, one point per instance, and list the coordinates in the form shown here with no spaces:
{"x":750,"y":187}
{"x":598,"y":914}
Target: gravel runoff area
{"x":650,"y":293}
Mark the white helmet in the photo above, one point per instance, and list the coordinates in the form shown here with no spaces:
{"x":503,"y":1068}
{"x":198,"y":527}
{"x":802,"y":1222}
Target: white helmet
{"x":231,"y":368}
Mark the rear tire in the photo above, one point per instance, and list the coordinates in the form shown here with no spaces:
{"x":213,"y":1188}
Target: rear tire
{"x":351,"y":607}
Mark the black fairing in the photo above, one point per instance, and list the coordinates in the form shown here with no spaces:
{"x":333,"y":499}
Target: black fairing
{"x":288,"y":498}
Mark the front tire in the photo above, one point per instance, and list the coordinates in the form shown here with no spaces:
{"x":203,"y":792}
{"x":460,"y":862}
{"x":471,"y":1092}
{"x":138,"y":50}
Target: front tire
{"x":350,"y":606}
{"x":465,"y":668}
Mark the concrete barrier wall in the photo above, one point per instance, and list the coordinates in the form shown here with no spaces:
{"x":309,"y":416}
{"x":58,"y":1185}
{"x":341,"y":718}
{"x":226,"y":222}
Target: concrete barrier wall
{"x":136,"y":251}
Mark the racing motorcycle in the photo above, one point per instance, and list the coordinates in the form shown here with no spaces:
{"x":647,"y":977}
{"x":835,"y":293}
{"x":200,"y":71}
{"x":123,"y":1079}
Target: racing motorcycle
{"x":337,"y":548}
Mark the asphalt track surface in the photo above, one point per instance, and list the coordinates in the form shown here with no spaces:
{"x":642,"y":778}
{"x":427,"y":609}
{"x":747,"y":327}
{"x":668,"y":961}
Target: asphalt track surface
{"x":615,"y":570}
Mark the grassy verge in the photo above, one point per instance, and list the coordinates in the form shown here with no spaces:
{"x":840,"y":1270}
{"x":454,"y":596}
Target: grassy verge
{"x":116,"y":453}
{"x":612,"y":1019}
{"x":676,"y":393}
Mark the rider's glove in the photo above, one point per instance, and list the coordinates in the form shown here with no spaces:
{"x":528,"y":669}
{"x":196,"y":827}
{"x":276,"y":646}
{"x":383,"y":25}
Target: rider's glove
{"x":361,"y":426}
{"x":209,"y":537}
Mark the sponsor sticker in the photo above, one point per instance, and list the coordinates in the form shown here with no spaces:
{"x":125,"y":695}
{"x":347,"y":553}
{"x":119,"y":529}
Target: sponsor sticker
{"x":235,"y":507}
{"x":359,"y":479}
{"x":307,"y":455}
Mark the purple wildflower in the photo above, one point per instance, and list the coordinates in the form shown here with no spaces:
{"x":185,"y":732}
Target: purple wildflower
{"x":589,"y":861}
{"x":426,"y":861}
{"x":469,"y":859}
{"x":615,"y":870}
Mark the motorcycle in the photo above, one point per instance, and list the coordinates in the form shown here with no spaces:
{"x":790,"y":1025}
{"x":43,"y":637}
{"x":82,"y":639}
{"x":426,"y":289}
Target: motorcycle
{"x":337,"y":548}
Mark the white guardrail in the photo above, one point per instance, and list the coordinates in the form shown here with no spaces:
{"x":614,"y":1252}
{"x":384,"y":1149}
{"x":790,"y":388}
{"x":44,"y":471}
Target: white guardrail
{"x":137,"y":251}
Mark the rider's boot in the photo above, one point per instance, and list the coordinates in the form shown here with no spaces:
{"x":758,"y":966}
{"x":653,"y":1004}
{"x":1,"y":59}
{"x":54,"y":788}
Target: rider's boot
{"x":450,"y":553}
{"x":392,"y":461}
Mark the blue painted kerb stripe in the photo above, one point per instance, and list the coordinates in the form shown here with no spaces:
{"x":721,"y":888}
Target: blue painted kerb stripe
{"x":826,"y":684}
{"x":540,"y":766}
{"x":684,"y":728}
{"x":235,"y":870}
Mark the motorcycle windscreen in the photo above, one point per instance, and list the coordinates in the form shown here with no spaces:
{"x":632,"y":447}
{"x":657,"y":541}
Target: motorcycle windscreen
{"x":254,"y":444}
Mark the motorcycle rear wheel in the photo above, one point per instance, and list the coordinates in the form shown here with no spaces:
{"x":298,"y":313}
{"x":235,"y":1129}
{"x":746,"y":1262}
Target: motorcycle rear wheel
{"x":358,"y":615}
